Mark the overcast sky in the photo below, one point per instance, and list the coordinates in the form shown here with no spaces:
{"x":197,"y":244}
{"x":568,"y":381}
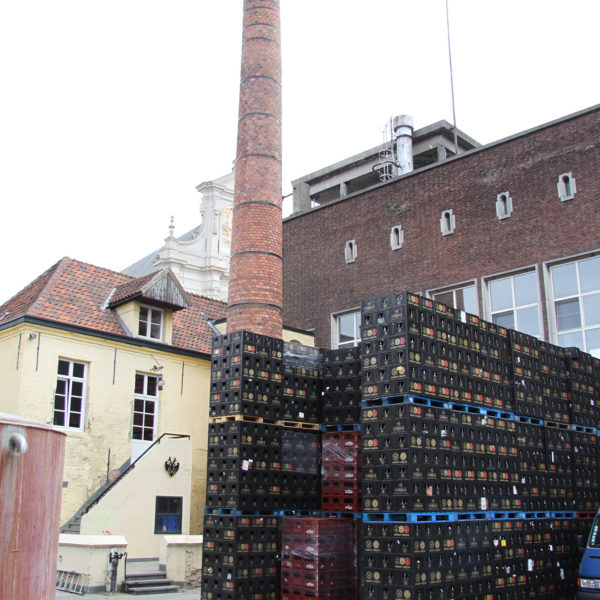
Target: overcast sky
{"x":112,"y":111}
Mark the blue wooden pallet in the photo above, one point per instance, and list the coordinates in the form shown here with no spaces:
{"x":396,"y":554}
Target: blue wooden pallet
{"x":409,"y":517}
{"x":472,"y":516}
{"x":403,"y":399}
{"x":536,"y":514}
{"x":563,"y":514}
{"x":341,"y":515}
{"x":584,"y":429}
{"x":530,"y":420}
{"x":217,"y":510}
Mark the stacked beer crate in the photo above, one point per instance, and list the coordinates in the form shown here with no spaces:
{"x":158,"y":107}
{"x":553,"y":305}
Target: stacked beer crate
{"x":467,"y":422}
{"x":263,"y":459}
{"x":317,"y":558}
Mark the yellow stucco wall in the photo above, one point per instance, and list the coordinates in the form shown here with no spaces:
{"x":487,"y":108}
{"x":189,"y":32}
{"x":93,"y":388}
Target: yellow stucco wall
{"x":129,"y":507}
{"x":27,"y":388}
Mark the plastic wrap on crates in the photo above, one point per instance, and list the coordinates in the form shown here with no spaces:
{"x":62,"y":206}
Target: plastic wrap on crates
{"x":300,"y":451}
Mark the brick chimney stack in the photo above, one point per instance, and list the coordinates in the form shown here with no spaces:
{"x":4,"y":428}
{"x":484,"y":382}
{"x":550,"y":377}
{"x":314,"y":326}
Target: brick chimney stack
{"x":255,"y":286}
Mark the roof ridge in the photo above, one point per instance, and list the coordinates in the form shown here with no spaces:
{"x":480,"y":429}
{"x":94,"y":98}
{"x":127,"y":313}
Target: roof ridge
{"x":36,"y":288}
{"x":60,"y":267}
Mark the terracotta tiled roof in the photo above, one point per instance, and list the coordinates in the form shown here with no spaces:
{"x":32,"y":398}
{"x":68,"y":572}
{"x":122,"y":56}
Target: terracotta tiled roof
{"x":130,"y":288}
{"x":74,"y":293}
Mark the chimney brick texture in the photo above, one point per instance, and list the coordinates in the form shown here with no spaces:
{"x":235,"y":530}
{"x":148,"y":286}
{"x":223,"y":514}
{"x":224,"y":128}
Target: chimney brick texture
{"x":255,"y":285}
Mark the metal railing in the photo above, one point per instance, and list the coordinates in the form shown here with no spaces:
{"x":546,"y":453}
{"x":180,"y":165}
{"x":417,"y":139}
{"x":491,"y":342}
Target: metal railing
{"x":131,"y":467}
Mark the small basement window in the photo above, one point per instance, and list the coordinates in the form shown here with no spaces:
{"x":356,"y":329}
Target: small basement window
{"x":447,"y":222}
{"x":504,"y":206}
{"x":566,"y":187}
{"x":396,"y":237}
{"x":350,"y":251}
{"x":168,"y":515}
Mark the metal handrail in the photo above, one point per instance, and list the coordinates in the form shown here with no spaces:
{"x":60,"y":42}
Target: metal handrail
{"x":132,"y":466}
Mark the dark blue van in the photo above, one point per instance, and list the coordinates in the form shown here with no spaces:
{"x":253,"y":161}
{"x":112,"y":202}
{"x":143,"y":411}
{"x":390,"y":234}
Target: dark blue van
{"x":588,"y":579}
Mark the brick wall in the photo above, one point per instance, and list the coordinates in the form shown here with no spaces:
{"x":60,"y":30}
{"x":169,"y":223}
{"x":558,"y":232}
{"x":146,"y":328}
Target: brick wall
{"x":318,"y":282}
{"x":255,"y":291}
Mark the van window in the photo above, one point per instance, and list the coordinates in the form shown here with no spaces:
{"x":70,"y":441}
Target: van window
{"x":594,"y":541}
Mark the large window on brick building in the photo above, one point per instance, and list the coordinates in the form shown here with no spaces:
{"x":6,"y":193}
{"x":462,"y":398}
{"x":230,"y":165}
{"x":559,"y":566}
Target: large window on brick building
{"x":576,"y":293}
{"x":463,"y":297}
{"x":514,"y":302}
{"x":346,"y":329}
{"x":69,"y":396}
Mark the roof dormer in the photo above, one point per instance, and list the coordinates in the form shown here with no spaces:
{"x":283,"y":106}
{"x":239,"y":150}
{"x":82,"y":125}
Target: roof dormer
{"x":145,"y":305}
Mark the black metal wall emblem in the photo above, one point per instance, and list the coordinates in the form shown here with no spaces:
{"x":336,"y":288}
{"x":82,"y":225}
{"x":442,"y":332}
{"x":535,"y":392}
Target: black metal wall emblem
{"x":171,"y":466}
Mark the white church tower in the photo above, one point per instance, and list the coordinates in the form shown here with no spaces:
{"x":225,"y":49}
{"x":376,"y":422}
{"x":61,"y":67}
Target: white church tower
{"x":200,"y":258}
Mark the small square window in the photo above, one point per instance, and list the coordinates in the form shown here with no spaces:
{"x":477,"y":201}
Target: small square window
{"x":396,"y":237}
{"x":168,"y":515}
{"x":151,"y":322}
{"x":350,"y":251}
{"x":566,"y":187}
{"x":504,"y":206}
{"x":447,"y":222}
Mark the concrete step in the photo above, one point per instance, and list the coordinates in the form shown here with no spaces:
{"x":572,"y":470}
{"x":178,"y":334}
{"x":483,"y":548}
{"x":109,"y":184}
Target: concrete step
{"x":148,"y":582}
{"x":157,"y":589}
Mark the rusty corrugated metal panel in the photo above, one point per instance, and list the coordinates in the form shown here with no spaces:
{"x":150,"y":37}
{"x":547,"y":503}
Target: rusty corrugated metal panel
{"x":30,"y":497}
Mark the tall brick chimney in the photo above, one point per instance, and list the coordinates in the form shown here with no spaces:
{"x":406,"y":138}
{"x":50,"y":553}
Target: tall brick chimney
{"x":255,"y":285}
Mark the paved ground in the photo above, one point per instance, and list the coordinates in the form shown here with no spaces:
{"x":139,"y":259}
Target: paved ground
{"x":189,"y":595}
{"x":133,"y":567}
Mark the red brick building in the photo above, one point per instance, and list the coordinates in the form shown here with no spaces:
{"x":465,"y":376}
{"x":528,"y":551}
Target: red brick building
{"x":510,"y":231}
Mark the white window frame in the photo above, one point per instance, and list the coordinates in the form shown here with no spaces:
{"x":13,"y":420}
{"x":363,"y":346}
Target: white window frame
{"x":552,"y":300}
{"x":396,"y":237}
{"x":144,"y":397}
{"x":564,"y":193}
{"x":350,"y":251}
{"x":69,"y":380}
{"x":148,"y":323}
{"x":455,"y":288}
{"x":447,"y":222}
{"x":335,"y":328}
{"x":504,"y":205}
{"x":485,"y":282}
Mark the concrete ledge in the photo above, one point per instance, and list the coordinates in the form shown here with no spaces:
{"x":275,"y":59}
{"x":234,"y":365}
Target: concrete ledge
{"x":89,"y":554}
{"x":181,"y":557}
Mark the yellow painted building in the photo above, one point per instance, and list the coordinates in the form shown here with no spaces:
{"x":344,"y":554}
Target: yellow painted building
{"x":122,"y":365}
{"x":116,"y":362}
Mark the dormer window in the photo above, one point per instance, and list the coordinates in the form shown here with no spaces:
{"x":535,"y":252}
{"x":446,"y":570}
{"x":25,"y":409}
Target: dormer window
{"x":566,"y":187}
{"x":151,"y":322}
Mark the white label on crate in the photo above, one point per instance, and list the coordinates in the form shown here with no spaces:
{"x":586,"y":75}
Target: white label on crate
{"x":301,"y":415}
{"x":246,"y":464}
{"x":462,"y":315}
{"x":530,"y":565}
{"x":483,"y":503}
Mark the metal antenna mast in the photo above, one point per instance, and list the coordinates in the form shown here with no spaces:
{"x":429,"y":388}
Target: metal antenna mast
{"x":451,"y":81}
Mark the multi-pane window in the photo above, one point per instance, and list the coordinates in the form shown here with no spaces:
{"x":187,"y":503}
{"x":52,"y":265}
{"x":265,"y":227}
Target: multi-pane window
{"x":145,"y":404}
{"x":168,"y":515}
{"x":461,"y":298}
{"x":576,"y":291}
{"x":69,"y":397}
{"x":514,"y":302}
{"x":150,"y":325}
{"x":348,"y":330}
